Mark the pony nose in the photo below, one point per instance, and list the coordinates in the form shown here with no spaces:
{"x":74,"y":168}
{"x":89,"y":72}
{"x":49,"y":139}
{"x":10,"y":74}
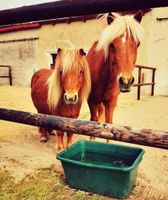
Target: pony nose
{"x":125,"y":84}
{"x":70,"y":98}
{"x":127,"y":81}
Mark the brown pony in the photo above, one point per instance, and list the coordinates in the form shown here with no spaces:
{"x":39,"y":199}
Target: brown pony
{"x":62,"y":91}
{"x":112,"y":60}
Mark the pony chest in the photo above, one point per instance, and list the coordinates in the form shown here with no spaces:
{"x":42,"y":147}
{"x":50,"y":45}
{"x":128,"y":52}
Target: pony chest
{"x":67,"y":110}
{"x":105,"y":82}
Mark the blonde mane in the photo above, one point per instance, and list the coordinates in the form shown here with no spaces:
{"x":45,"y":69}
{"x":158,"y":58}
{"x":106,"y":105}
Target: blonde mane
{"x":67,"y":60}
{"x":119,"y":26}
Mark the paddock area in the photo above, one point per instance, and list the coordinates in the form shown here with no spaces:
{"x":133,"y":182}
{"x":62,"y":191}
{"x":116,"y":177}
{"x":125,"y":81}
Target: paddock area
{"x":22,"y":154}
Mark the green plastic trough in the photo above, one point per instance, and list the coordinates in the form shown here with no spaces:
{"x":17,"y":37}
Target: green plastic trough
{"x":103,"y":168}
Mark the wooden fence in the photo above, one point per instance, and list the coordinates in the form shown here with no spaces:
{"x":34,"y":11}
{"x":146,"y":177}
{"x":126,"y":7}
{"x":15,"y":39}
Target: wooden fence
{"x":141,"y":82}
{"x":128,"y":134}
{"x":9,"y":76}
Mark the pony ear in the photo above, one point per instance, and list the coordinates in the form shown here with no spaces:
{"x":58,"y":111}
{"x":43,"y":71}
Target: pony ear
{"x":59,"y":50}
{"x":82,"y":52}
{"x":138,"y":16}
{"x":110,"y":18}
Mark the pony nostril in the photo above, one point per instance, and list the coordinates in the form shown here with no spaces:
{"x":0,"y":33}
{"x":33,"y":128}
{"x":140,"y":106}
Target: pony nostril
{"x":70,"y":99}
{"x":126,"y":82}
{"x":132,"y":80}
{"x":65,"y":97}
{"x":75,"y":98}
{"x":121,"y":81}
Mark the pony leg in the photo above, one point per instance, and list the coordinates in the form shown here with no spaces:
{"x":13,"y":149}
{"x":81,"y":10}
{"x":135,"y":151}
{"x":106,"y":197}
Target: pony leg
{"x":94,"y":116}
{"x":101,"y":113}
{"x":51,"y":131}
{"x":109,"y":110}
{"x":60,"y":143}
{"x":43,"y":134}
{"x":69,"y":139}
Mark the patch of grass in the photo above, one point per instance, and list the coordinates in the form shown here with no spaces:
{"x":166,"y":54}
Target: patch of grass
{"x":45,"y":184}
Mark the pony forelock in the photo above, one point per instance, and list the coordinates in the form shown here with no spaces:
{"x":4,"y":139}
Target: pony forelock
{"x":67,"y":60}
{"x":119,"y":26}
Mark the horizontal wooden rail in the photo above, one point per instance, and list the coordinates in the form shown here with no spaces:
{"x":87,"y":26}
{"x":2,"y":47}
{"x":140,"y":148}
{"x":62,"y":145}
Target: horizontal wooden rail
{"x":161,"y":18}
{"x":143,"y":84}
{"x":145,"y":67}
{"x":128,"y":134}
{"x":4,"y":76}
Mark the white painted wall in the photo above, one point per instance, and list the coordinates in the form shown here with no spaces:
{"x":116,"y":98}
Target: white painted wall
{"x":154,"y":50}
{"x":21,"y":56}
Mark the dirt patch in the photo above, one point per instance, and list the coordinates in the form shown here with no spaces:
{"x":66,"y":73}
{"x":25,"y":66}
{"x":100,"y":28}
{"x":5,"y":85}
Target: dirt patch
{"x":21,"y":153}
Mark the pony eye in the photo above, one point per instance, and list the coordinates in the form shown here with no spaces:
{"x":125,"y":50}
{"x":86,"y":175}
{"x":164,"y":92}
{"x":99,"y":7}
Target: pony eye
{"x":112,"y":46}
{"x":60,"y":71}
{"x":81,"y":72}
{"x":138,"y":44}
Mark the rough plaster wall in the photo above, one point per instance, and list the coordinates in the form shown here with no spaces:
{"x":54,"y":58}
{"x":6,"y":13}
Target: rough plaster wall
{"x":21,"y":56}
{"x":154,"y":50}
{"x":51,"y":37}
{"x":80,"y":34}
{"x":157,"y":49}
{"x":25,"y":56}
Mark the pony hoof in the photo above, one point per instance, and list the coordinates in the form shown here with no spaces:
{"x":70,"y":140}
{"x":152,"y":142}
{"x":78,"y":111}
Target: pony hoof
{"x":59,"y":148}
{"x":92,"y":139}
{"x":43,"y":139}
{"x":68,"y":145}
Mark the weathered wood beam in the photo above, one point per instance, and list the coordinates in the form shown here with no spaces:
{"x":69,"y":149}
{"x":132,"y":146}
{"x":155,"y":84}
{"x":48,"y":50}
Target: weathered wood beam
{"x":128,"y":134}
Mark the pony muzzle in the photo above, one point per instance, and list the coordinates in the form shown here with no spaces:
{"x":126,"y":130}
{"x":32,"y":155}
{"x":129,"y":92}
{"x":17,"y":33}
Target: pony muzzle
{"x":125,"y":85}
{"x":70,"y":98}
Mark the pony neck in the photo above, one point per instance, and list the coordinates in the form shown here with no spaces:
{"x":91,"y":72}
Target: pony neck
{"x":111,"y":64}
